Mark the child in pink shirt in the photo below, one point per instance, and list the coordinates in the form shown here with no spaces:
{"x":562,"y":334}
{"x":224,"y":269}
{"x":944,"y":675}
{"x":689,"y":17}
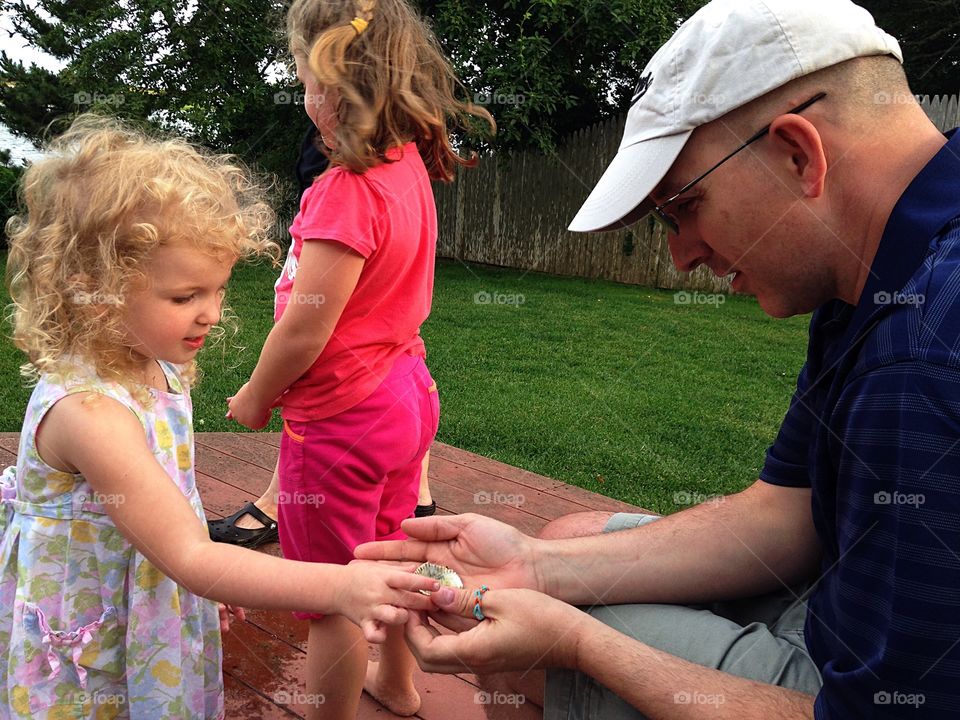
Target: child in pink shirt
{"x":345,"y":361}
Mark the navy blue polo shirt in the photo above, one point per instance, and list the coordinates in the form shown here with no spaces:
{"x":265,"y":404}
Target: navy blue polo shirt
{"x":874,"y":430}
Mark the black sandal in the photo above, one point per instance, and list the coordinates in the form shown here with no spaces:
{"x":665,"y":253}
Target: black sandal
{"x":226,"y":530}
{"x":426,"y":510}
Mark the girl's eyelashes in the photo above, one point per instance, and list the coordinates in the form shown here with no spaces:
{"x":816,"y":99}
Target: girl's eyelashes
{"x":183,"y":300}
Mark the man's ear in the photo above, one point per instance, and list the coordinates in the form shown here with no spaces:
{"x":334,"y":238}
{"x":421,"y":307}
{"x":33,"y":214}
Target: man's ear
{"x":801,"y":146}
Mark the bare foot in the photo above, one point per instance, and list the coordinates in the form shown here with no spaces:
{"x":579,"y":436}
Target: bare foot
{"x":401,"y":699}
{"x":248,"y":522}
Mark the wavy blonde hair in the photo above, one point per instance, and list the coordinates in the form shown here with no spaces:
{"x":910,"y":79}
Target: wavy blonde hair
{"x":394,"y":82}
{"x":103,"y":198}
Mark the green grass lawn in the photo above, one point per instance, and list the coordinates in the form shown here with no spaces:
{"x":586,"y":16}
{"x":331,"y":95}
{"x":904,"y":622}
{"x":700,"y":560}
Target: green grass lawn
{"x":614,"y":388}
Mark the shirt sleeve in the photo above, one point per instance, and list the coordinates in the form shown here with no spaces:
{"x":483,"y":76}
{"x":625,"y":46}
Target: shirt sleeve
{"x":786,"y":463}
{"x":887,"y":622}
{"x":341,"y":206}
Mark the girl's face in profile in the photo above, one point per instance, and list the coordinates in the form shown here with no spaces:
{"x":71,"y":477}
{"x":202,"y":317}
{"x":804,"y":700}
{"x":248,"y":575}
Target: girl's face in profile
{"x":320,"y":103}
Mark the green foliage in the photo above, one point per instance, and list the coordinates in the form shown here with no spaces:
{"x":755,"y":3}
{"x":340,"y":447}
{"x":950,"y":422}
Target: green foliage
{"x":929,"y":34}
{"x":545,"y":68}
{"x":210,"y":74}
{"x":9,"y":178}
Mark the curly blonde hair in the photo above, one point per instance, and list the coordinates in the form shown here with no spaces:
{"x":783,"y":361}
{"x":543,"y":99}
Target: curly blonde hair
{"x":394,"y":82}
{"x":98,"y":204}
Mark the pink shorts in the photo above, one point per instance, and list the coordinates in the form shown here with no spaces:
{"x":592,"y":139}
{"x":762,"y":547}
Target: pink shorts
{"x":352,"y":478}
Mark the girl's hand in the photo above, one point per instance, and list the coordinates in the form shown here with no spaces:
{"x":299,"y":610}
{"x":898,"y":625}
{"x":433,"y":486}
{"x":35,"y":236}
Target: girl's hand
{"x":247,"y":410}
{"x":226,"y":611}
{"x":523,"y":630}
{"x":375,"y":595}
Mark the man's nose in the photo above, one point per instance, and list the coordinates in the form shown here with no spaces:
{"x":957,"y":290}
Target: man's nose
{"x":687,"y":250}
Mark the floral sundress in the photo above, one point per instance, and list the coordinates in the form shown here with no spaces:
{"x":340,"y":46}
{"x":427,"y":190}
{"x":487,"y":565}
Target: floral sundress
{"x":89,"y":628}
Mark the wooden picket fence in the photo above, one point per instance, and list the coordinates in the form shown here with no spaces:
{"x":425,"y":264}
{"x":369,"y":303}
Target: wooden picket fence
{"x":515,"y":214}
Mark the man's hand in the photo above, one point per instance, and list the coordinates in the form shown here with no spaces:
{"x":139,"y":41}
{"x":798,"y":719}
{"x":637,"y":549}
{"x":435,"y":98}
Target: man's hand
{"x":523,"y":630}
{"x":479,"y":549}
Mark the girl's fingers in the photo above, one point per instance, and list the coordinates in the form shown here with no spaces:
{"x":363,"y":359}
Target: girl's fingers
{"x":411,"y":600}
{"x":411,"y":581}
{"x":373,"y":631}
{"x":390,"y":615}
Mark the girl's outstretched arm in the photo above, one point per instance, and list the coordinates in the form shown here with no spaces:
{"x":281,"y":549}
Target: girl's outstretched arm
{"x":103,"y":440}
{"x":326,"y":278}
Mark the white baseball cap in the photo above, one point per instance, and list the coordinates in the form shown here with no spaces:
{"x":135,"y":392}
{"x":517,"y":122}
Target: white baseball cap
{"x":728,"y":54}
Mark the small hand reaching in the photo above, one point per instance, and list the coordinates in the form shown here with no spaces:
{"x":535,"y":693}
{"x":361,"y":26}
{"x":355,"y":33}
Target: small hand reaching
{"x":375,"y":595}
{"x":226,"y":611}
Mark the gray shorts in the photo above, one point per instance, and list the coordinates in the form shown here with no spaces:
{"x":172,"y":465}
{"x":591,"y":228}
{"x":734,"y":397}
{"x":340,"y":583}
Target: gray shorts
{"x":757,"y":638}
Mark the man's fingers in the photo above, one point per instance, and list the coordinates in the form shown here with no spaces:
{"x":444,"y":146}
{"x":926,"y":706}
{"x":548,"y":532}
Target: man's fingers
{"x":402,"y":550}
{"x":455,"y":601}
{"x":438,"y":528}
{"x":452,"y":622}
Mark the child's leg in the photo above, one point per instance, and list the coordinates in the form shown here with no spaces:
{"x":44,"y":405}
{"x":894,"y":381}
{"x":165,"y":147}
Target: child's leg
{"x":336,"y":658}
{"x":425,"y":498}
{"x":390,"y":681}
{"x":266,"y":502}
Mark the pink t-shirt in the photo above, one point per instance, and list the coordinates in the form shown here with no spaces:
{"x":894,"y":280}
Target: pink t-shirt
{"x":387,"y":215}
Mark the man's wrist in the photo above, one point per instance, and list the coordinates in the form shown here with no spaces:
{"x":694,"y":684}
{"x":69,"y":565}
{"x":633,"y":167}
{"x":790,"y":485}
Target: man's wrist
{"x":540,"y":558}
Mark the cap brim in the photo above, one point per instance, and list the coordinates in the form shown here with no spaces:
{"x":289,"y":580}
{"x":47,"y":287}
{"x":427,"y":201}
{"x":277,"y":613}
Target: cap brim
{"x":635,"y":171}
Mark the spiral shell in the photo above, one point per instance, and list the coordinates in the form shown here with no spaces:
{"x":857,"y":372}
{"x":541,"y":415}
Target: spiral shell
{"x":446,"y":576}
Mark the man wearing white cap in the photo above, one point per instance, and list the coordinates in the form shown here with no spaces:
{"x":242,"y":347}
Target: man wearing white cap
{"x":778,"y":141}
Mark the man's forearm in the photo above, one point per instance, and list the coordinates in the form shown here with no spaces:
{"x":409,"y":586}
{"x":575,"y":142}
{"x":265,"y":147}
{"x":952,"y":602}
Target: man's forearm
{"x":753,"y":542}
{"x":660,"y":685}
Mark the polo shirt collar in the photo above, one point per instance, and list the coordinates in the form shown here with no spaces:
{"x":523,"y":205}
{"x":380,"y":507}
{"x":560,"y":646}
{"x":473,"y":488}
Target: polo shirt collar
{"x":930,"y":202}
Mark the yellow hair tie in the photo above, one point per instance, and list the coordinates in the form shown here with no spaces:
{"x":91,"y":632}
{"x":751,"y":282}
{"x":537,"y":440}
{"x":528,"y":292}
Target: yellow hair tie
{"x":359,"y":24}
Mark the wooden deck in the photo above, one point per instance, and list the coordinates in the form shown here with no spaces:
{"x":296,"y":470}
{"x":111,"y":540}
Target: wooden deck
{"x":264,"y":658}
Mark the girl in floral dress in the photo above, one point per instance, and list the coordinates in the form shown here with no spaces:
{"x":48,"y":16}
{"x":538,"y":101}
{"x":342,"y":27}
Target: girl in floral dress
{"x":108,"y":579}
